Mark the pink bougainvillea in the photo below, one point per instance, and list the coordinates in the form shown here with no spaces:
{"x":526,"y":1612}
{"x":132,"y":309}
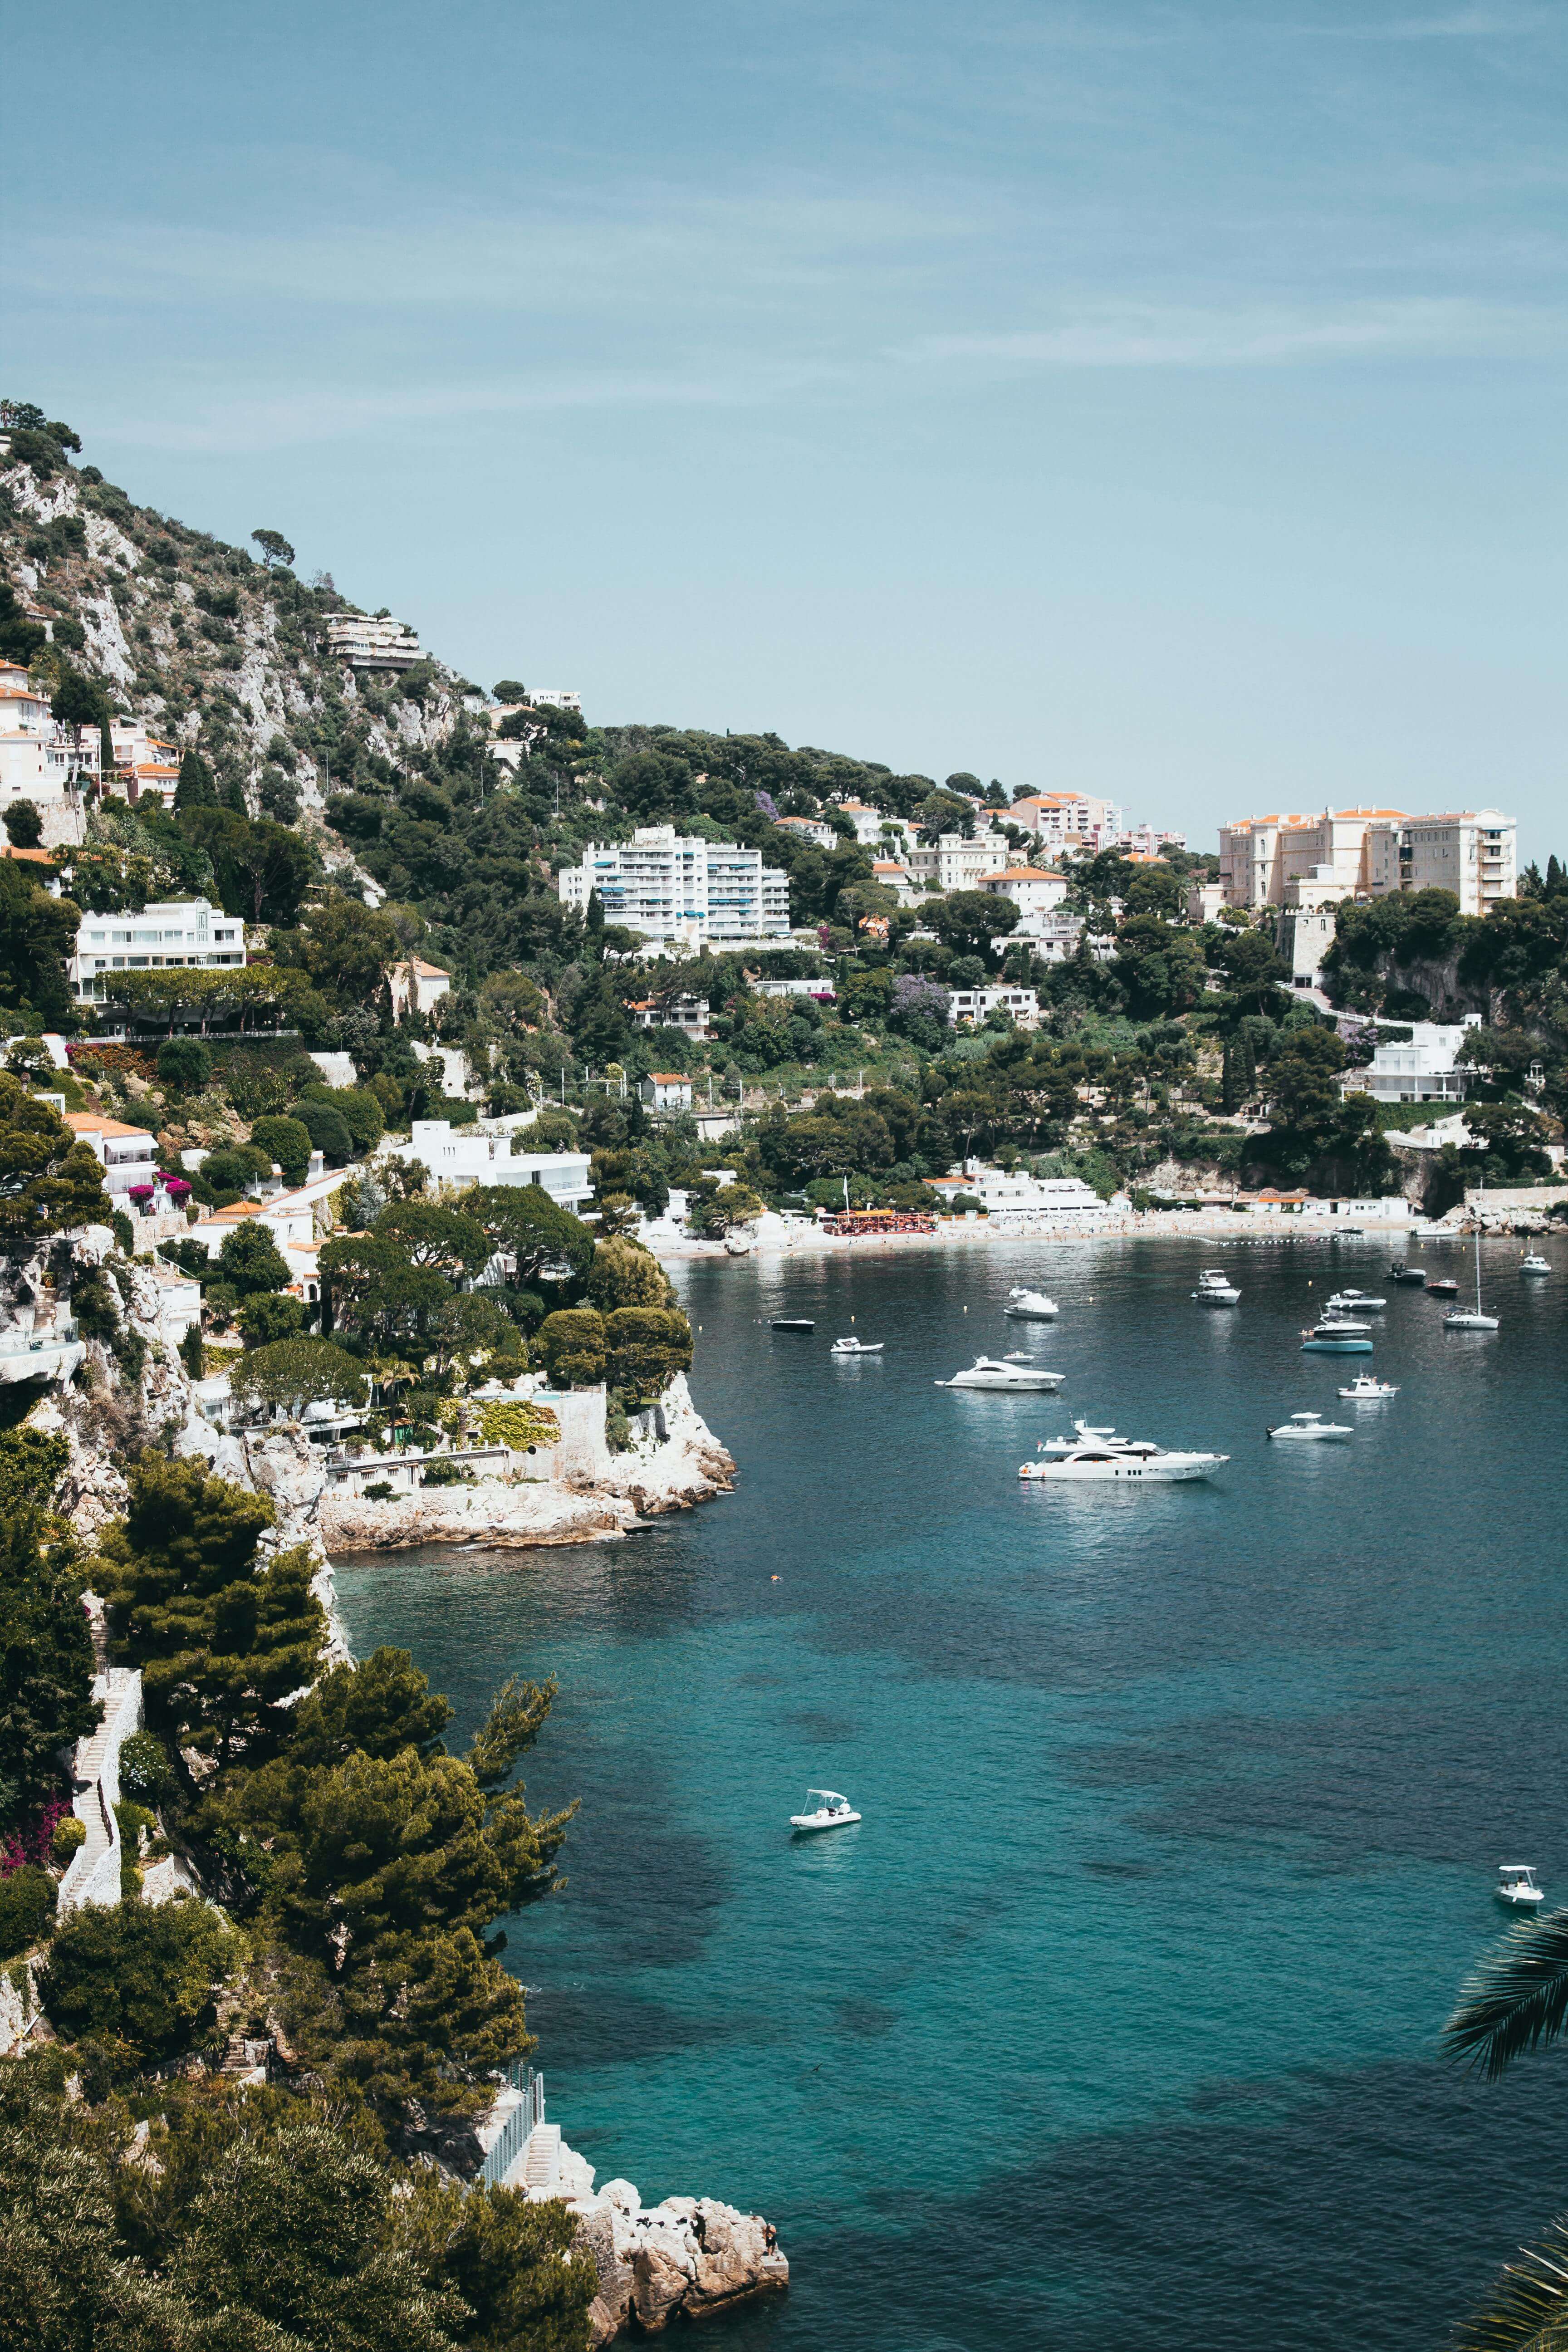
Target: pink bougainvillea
{"x":31,"y":1841}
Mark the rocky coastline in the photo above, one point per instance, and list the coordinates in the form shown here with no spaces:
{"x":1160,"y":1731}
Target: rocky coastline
{"x":690,"y":2255}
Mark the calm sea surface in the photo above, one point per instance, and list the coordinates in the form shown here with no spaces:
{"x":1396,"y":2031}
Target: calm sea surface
{"x":1114,"y":2022}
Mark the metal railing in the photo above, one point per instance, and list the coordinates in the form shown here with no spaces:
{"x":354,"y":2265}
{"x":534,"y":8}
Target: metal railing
{"x":519,"y":2127}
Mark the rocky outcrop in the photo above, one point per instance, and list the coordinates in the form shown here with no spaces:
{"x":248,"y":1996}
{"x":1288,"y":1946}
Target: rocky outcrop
{"x":690,"y":2255}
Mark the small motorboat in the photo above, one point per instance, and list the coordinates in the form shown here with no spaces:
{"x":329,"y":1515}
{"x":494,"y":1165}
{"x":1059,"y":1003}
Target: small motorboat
{"x":1443,"y":1286}
{"x":1004,"y":1378}
{"x":830,"y":1811}
{"x":1356,"y":1302}
{"x":1367,"y":1389}
{"x":1215,"y":1287}
{"x":1336,"y":1339}
{"x":853,"y":1347}
{"x":1308,"y":1426}
{"x":1516,"y":1887}
{"x":1097,"y":1457}
{"x":1030,"y":1305}
{"x":792,"y":1323}
{"x":1533,"y":1263}
{"x":1413,"y":1275}
{"x":1340,"y":1326}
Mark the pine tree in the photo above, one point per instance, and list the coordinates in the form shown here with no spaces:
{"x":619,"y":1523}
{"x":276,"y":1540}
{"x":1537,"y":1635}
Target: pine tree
{"x":196,"y":789}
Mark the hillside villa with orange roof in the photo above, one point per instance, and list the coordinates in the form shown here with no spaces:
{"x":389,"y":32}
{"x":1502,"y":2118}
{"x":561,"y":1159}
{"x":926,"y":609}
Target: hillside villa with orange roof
{"x":1308,"y":863}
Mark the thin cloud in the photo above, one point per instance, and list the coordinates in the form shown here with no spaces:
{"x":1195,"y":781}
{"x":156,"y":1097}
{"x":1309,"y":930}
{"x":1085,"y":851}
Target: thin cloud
{"x":1164,"y":336}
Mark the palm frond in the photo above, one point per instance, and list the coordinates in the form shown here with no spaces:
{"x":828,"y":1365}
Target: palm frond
{"x":1528,"y":2311}
{"x":1516,"y":1999}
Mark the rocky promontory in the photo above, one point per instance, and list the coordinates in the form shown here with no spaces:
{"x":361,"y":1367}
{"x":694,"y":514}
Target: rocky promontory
{"x":689,"y":2254}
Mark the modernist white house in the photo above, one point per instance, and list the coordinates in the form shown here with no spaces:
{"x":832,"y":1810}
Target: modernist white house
{"x":168,"y":932}
{"x":1425,"y":1069}
{"x":467,"y":1155}
{"x":676,"y":887}
{"x":384,"y":644}
{"x":975,"y":1004}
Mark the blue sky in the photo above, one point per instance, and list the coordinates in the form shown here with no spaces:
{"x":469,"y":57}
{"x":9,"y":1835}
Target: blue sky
{"x":1161,"y":399}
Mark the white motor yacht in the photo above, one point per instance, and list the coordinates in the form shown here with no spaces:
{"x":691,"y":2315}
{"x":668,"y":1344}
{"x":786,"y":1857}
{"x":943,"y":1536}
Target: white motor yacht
{"x":1030,"y":1305}
{"x":828,"y":1812}
{"x":1099,"y":1455}
{"x":1516,"y":1887}
{"x":1305,"y":1426}
{"x":853,"y":1347}
{"x":1472,"y":1318}
{"x":1216,"y":1288}
{"x":1367,"y":1389}
{"x":1009,"y":1377}
{"x":1533,"y":1263}
{"x":1356,"y":1302}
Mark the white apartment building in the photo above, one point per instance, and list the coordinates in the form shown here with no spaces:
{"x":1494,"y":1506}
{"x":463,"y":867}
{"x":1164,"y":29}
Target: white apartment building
{"x":555,"y":697}
{"x":1063,"y":821}
{"x":1472,"y":851}
{"x":1294,"y":859}
{"x":169,"y":932}
{"x":1145,"y":841}
{"x":975,"y":1004}
{"x":1033,"y":889}
{"x":961,"y":864}
{"x":687,"y":1014}
{"x":1424,"y":1069}
{"x":40,"y":761}
{"x":1045,"y":1202}
{"x":676,"y":887}
{"x":1204,"y":900}
{"x":371,"y":645}
{"x":145,"y":764}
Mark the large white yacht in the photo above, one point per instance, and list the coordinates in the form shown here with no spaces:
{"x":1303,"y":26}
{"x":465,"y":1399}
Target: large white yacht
{"x":1215,"y":1287}
{"x":1030,"y":1305}
{"x":1099,"y":1455}
{"x":1009,"y":1379}
{"x":1307,"y":1426}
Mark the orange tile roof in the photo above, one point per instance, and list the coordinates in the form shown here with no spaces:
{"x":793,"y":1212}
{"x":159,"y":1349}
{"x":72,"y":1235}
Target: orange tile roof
{"x":1023,"y":873}
{"x":91,"y":1122}
{"x":46,"y":856}
{"x":671,"y":1078}
{"x":428,"y":970}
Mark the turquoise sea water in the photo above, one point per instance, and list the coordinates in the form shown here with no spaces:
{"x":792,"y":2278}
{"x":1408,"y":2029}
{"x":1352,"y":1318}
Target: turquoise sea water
{"x":1114,"y":2022}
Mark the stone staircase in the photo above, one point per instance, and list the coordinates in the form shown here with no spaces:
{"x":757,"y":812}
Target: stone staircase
{"x":94,"y":1873}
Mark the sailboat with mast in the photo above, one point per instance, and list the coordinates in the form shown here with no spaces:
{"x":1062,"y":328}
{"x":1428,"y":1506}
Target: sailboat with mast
{"x":1472,"y":1318}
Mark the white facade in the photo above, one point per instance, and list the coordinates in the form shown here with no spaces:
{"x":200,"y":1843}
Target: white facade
{"x":463,"y":1155}
{"x":555,"y":697}
{"x":688,"y":1013}
{"x":1204,"y":900}
{"x":421,"y":986}
{"x":371,"y":645}
{"x":1306,"y":935}
{"x":129,"y":1154}
{"x":1033,"y":889}
{"x":676,"y":887}
{"x":1426,"y":1069}
{"x":40,"y":761}
{"x":145,"y":764}
{"x":1078,"y":821}
{"x":1146,"y":840}
{"x":169,"y":932}
{"x":670,"y":1090}
{"x":1297,"y":859}
{"x":809,"y":828}
{"x":1472,"y":851}
{"x":1044,"y":1202}
{"x":975,"y":1004}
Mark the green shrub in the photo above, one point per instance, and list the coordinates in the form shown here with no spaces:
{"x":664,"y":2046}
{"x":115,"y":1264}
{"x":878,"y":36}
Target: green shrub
{"x":26,"y":1906}
{"x":70,"y":1832}
{"x":445,"y":1472}
{"x":326,"y":1128}
{"x":185,"y":1063}
{"x":138,"y":1974}
{"x":270,"y":1315}
{"x":287,"y":1142}
{"x":522,"y":1425}
{"x":645,"y":1347}
{"x":145,"y":1771}
{"x":572,"y":1344}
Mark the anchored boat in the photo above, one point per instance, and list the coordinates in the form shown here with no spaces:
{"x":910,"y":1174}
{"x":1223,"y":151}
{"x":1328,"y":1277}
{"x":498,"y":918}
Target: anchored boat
{"x":1004,"y":1378}
{"x":1099,"y":1456}
{"x":830,"y":1812}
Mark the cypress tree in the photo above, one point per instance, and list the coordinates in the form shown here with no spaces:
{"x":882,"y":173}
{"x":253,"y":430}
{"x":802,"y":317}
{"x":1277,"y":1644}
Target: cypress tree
{"x":195,"y":789}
